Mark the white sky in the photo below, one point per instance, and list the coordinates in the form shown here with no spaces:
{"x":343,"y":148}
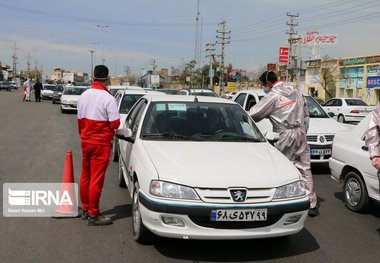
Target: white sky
{"x":61,"y":33}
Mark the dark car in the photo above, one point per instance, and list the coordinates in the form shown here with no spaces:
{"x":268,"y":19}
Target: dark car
{"x":57,"y":93}
{"x":5,"y":85}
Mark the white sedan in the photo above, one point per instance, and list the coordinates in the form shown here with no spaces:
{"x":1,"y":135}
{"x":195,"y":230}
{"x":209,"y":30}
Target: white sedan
{"x":347,"y":109}
{"x":351,"y":167}
{"x":172,"y":157}
{"x":70,"y":97}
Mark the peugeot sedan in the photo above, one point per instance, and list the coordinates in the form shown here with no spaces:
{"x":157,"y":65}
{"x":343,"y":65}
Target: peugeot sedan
{"x":172,"y":162}
{"x":351,"y":167}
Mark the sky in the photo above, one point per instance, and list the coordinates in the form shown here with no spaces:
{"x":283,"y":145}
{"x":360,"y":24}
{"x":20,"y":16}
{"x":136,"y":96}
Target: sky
{"x":134,"y":33}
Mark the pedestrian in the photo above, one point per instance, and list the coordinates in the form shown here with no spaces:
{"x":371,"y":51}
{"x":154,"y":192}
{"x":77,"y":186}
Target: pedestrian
{"x":25,"y":88}
{"x":286,"y":108}
{"x":98,"y":117}
{"x":37,"y":90}
{"x":27,"y":85}
{"x":372,"y":138}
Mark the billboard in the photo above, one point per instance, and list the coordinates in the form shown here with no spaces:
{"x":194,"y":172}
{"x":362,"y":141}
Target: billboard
{"x":284,"y":54}
{"x":314,"y":38}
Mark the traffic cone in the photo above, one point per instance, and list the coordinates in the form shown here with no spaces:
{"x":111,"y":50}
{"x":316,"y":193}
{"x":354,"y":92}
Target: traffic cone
{"x":68,"y":186}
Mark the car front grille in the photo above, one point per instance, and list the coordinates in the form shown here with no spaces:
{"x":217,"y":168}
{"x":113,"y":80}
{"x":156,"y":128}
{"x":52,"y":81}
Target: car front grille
{"x":204,"y":221}
{"x":314,"y":138}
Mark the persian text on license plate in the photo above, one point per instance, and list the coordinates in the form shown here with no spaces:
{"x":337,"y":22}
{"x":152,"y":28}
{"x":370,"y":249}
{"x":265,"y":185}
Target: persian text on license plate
{"x":320,"y":151}
{"x":239,"y":215}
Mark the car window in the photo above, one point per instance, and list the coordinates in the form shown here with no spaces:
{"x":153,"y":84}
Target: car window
{"x":338,"y":103}
{"x":73,"y":91}
{"x":114,"y":91}
{"x":329,"y":103}
{"x":181,"y":93}
{"x":199,"y":121}
{"x":208,"y":94}
{"x":131,"y":118}
{"x":128,"y":101}
{"x":49,"y":87}
{"x":251,"y":101}
{"x":355,"y":102}
{"x":315,"y":109}
{"x":241,"y":98}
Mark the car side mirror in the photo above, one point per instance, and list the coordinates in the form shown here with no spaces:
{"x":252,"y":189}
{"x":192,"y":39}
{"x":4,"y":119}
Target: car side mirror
{"x":272,"y":137}
{"x":331,"y":114}
{"x":124,"y":134}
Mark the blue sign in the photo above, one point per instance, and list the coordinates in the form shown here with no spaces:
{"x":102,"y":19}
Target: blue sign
{"x":373,"y":82}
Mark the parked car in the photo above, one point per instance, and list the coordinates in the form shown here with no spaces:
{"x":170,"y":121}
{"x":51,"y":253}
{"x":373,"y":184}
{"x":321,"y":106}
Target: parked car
{"x":70,"y":97}
{"x":13,"y":85}
{"x":114,"y":89}
{"x":47,"y":91}
{"x":179,"y":186}
{"x":197,"y":92}
{"x":5,"y":85}
{"x":347,"y":109}
{"x":57,"y":93}
{"x":229,"y":95}
{"x":125,"y":99}
{"x":322,"y":128}
{"x":168,"y":91}
{"x":351,"y":167}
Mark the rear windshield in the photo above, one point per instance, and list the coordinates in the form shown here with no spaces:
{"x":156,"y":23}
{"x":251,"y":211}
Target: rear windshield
{"x":354,"y":102}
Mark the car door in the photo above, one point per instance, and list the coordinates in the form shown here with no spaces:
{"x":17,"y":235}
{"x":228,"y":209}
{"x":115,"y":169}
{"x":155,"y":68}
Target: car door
{"x":240,"y":99}
{"x":250,"y":102}
{"x":133,"y":122}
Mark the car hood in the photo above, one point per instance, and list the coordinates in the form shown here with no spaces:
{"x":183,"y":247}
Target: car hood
{"x":325,"y":126}
{"x":47,"y":91}
{"x":221,"y":164}
{"x":70,"y":97}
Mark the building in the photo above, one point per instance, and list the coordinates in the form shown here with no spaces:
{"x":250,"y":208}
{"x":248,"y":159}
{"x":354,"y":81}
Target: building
{"x":357,"y":77}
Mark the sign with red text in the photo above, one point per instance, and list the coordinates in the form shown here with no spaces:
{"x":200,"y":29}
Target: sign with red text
{"x":284,"y":54}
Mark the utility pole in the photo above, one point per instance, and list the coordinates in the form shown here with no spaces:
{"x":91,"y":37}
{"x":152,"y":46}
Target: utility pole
{"x":223,"y":38}
{"x":196,"y":46}
{"x":28,"y":64}
{"x":292,"y":63}
{"x":14,"y":57}
{"x":211,"y":49}
{"x":154,"y":66}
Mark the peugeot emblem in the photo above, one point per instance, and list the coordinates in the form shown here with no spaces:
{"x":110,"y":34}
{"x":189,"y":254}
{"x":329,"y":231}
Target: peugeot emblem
{"x":322,"y":139}
{"x":239,"y":195}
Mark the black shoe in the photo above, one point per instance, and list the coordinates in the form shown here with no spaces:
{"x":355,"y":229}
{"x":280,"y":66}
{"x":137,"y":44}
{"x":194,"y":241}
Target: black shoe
{"x":99,"y":220}
{"x":84,"y":215}
{"x":313,"y":212}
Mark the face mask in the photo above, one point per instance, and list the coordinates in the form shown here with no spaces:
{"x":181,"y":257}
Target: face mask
{"x":266,"y":90}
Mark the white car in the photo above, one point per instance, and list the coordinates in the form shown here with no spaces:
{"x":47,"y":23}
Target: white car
{"x":125,"y":99}
{"x":351,"y":167}
{"x":347,"y":109}
{"x":47,"y":91}
{"x":70,"y":97}
{"x":198,"y":92}
{"x":322,"y":128}
{"x":173,"y":166}
{"x":115,"y":88}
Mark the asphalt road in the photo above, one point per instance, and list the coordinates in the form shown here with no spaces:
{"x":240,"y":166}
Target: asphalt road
{"x":34,"y":138}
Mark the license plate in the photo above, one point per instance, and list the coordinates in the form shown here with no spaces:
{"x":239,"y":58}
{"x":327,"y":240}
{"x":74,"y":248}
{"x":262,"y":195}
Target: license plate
{"x":320,"y":151}
{"x":239,"y":215}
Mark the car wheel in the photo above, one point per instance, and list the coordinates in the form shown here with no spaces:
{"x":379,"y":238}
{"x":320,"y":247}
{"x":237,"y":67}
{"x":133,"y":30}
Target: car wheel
{"x":120,"y":177}
{"x":115,"y":150}
{"x":341,"y":119}
{"x":355,"y":193}
{"x":53,"y":101}
{"x":62,"y":110}
{"x":140,"y":233}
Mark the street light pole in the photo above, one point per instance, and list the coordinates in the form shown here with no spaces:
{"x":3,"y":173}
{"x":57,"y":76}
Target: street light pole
{"x":92,"y":63}
{"x":102,"y":26}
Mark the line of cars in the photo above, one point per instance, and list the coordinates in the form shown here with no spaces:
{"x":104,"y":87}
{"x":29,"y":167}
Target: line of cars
{"x":8,"y":85}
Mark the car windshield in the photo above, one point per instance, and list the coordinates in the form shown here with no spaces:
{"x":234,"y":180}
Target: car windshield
{"x":196,"y":121}
{"x":49,"y":87}
{"x":315,"y":110}
{"x":355,"y":102}
{"x":128,"y":101}
{"x":59,"y":88}
{"x":73,"y":90}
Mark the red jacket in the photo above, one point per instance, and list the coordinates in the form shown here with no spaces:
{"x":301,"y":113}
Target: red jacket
{"x":98,"y":115}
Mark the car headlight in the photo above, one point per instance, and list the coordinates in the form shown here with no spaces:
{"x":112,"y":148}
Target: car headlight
{"x":170,"y":190}
{"x":296,"y":189}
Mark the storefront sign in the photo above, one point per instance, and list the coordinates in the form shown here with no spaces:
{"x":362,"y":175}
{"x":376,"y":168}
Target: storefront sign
{"x":353,"y":61}
{"x":373,"y":82}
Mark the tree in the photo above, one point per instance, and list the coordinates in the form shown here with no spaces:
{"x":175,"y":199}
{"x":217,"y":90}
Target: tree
{"x":329,"y":74}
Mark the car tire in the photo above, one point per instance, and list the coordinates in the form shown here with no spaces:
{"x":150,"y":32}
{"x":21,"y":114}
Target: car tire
{"x":115,"y":150}
{"x":120,"y":177}
{"x":62,"y":110}
{"x":139,"y":232}
{"x":341,"y":119}
{"x":355,"y":193}
{"x":53,"y":101}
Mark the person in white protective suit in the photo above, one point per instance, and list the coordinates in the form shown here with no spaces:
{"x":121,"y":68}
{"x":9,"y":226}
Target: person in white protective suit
{"x":286,"y":108}
{"x":372,"y":138}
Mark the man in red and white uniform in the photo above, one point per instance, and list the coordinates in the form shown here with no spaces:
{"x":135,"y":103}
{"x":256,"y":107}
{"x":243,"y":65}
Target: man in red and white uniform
{"x":98,"y":117}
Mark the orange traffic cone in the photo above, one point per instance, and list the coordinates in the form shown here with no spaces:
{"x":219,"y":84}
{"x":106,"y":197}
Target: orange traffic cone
{"x":68,"y":187}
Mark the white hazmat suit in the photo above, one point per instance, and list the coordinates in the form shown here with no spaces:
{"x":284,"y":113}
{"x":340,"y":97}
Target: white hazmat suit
{"x":288,"y":112}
